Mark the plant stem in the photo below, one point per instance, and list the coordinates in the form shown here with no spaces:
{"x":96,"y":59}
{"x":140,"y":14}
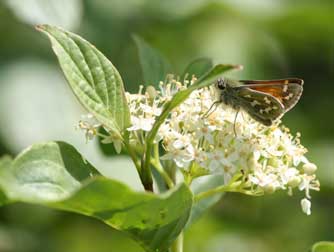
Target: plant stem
{"x":163,"y":173}
{"x":177,"y":246}
{"x":219,"y":189}
{"x":231,"y":187}
{"x":157,"y":165}
{"x":145,"y":178}
{"x":133,"y":156}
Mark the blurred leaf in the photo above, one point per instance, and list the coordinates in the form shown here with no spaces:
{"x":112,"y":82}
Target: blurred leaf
{"x":203,"y":184}
{"x":64,"y":13}
{"x":323,"y":246}
{"x":54,"y":174}
{"x":92,"y":77}
{"x":153,"y":64}
{"x":197,"y":68}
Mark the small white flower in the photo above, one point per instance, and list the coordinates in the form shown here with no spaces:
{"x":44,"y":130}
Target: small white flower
{"x":288,"y":175}
{"x":264,"y":180}
{"x":89,"y":125}
{"x":206,"y":132}
{"x":308,"y":182}
{"x":182,"y":158}
{"x":306,"y":206}
{"x":151,"y":110}
{"x":181,"y":141}
{"x":141,"y":123}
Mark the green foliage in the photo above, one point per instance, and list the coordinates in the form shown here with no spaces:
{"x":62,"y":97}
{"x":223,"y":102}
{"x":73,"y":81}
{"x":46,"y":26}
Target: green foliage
{"x":153,"y":64}
{"x":323,"y":246}
{"x":92,"y":77}
{"x":54,"y":174}
{"x":44,"y":173}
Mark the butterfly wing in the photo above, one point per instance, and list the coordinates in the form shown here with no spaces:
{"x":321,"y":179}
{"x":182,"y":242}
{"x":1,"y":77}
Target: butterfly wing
{"x":262,"y":107}
{"x":287,"y":91}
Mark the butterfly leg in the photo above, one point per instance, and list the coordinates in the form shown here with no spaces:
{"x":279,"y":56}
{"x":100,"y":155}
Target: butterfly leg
{"x":213,"y":108}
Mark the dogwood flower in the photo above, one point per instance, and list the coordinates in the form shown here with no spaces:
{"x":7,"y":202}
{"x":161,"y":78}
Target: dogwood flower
{"x":89,"y":125}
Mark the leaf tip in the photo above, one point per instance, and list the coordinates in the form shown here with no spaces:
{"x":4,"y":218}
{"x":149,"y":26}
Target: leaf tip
{"x":239,"y":67}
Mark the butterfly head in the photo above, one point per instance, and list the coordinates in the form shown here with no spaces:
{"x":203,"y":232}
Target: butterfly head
{"x":221,"y":84}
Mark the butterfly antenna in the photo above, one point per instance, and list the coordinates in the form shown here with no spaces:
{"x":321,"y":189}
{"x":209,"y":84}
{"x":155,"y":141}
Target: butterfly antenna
{"x":235,"y":121}
{"x":209,"y":112}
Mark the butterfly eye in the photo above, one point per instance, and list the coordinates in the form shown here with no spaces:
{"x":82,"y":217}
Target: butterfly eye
{"x":221,"y":84}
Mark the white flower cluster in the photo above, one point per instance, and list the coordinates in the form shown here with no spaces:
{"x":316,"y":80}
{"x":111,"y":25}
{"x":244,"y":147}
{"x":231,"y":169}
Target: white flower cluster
{"x":259,"y":159}
{"x":268,"y":157}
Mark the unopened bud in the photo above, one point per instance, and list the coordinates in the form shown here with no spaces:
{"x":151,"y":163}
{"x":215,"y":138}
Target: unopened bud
{"x":152,"y":93}
{"x":269,"y":189}
{"x":309,"y":168}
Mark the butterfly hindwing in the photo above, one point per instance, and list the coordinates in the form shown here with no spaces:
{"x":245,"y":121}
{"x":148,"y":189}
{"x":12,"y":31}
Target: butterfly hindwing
{"x":260,"y":106}
{"x":291,"y":96}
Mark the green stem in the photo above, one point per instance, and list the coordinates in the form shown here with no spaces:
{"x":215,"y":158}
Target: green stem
{"x":133,"y":156}
{"x":213,"y":191}
{"x":232,"y":187}
{"x":163,"y":173}
{"x":177,"y":246}
{"x":146,"y":179}
{"x":157,"y":165}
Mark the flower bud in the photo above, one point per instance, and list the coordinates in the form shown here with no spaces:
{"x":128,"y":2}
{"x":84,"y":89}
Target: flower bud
{"x":294,"y":182}
{"x":269,"y":189}
{"x":152,"y":93}
{"x":306,"y":206}
{"x":309,"y":168}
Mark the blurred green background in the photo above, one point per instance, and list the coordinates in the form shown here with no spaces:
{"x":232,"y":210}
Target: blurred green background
{"x":271,"y":38}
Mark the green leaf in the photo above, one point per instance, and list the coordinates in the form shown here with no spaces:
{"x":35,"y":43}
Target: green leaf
{"x":45,"y":172}
{"x":203,"y":184}
{"x":154,"y":65}
{"x":92,"y":77}
{"x":323,"y":246}
{"x":197,"y":68}
{"x":55,"y":175}
{"x":213,"y":75}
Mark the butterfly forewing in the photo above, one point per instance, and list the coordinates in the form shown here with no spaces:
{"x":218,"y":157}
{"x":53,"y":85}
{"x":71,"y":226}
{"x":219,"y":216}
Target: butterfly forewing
{"x":287,"y":91}
{"x":264,"y":100}
{"x":259,"y":105}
